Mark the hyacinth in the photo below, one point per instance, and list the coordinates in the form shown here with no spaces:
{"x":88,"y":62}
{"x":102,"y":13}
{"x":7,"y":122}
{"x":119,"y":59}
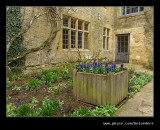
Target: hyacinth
{"x":95,"y":63}
{"x":94,"y":67}
{"x":106,"y":64}
{"x":81,"y":66}
{"x":122,"y":65}
{"x":114,"y":65}
{"x":87,"y":67}
{"x":107,"y":69}
{"x":99,"y":64}
{"x":20,"y":102}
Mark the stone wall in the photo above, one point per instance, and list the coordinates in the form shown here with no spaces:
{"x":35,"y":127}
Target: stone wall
{"x":140,"y":29}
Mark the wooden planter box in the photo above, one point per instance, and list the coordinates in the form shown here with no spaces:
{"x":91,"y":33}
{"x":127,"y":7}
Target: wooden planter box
{"x":99,"y":89}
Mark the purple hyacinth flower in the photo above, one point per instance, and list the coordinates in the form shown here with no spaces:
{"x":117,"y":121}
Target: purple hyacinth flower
{"x":107,"y":69}
{"x":114,"y":65}
{"x":106,"y":64}
{"x":81,"y":66}
{"x":20,"y":102}
{"x":99,"y":64}
{"x":94,"y":67}
{"x":89,"y":65}
{"x":95,"y":63}
{"x":122,"y":65}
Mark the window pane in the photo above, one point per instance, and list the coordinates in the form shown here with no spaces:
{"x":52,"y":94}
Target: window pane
{"x":123,"y":10}
{"x":122,"y":46}
{"x":73,"y":39}
{"x":79,"y":39}
{"x":66,"y":21}
{"x":141,"y":8}
{"x":65,"y":38}
{"x":107,"y":43}
{"x":86,"y":26}
{"x":118,"y":46}
{"x":122,"y":38}
{"x":136,"y":9}
{"x":73,"y":23}
{"x":79,"y":25}
{"x":126,"y":38}
{"x":107,"y":32}
{"x":104,"y":42}
{"x":128,"y":10}
{"x":126,"y":49}
{"x":85,"y":40}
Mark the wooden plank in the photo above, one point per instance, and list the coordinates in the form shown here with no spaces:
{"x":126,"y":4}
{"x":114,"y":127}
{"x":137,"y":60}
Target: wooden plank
{"x":94,"y":84}
{"x":79,"y":78}
{"x":104,"y":90}
{"x":116,"y":88}
{"x":126,"y":85}
{"x":75,"y":83}
{"x":85,"y":85}
{"x":99,"y":83}
{"x":90,"y":90}
{"x":112,"y":89}
{"x":108,"y":88}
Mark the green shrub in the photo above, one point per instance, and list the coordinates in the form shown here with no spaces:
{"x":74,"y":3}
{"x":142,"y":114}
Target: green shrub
{"x":10,"y":110}
{"x":16,"y":88}
{"x":8,"y":83}
{"x":81,"y":112}
{"x":57,"y":90}
{"x":23,"y":110}
{"x":50,"y":108}
{"x":33,"y":103}
{"x":15,"y":77}
{"x":33,"y":84}
{"x":49,"y":76}
{"x":136,"y":88}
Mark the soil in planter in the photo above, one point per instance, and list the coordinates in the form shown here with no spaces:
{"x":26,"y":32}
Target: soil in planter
{"x":66,"y":95}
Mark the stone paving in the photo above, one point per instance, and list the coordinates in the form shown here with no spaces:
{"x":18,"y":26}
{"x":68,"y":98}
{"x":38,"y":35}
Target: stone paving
{"x":141,"y":104}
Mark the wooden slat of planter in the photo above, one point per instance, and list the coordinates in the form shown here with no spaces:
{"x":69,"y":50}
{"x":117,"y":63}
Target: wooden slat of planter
{"x":79,"y":83}
{"x":119,"y":85}
{"x":104,"y":90}
{"x":90,"y":88}
{"x":94,"y":81}
{"x":112,"y":89}
{"x":99,"y":83}
{"x":117,"y":80}
{"x":75,"y":83}
{"x":126,"y":86}
{"x":85,"y":85}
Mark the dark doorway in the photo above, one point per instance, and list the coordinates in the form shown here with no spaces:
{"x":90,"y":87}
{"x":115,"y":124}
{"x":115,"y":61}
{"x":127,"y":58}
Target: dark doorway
{"x":122,"y":48}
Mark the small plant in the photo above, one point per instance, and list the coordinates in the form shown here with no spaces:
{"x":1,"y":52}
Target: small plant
{"x":16,"y":88}
{"x":10,"y":110}
{"x":136,"y":88}
{"x":50,"y":108}
{"x":23,"y":110}
{"x":105,"y":110}
{"x":33,"y":103}
{"x":8,"y":97}
{"x":65,"y":73}
{"x":15,"y":77}
{"x":8,"y":83}
{"x":33,"y":84}
{"x":70,"y":81}
{"x":45,"y":99}
{"x":57,"y":90}
{"x":81,"y":112}
{"x":55,"y":77}
{"x":130,"y":94}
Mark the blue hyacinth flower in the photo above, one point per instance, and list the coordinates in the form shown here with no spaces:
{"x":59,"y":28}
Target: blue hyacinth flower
{"x":106,"y":64}
{"x":95,"y":63}
{"x":114,"y":65}
{"x":100,"y":70}
{"x":99,"y":64}
{"x":81,"y":66}
{"x":107,"y":69}
{"x":20,"y":102}
{"x":94,"y":67}
{"x":122,"y":65}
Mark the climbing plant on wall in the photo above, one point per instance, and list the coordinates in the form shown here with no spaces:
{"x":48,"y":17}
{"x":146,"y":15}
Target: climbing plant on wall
{"x":14,"y":25}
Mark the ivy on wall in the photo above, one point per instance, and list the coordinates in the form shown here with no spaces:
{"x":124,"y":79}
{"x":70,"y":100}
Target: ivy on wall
{"x":14,"y":26}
